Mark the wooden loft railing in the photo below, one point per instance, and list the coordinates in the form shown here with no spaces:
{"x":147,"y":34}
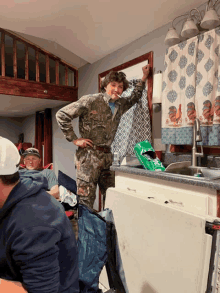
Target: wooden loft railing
{"x":24,"y":86}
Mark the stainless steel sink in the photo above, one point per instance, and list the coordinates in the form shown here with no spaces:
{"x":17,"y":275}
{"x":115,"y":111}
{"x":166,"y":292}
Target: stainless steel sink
{"x":185,"y":168}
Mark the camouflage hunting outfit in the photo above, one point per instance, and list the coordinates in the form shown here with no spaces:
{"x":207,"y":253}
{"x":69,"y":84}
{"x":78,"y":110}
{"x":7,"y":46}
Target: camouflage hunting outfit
{"x":96,"y":122}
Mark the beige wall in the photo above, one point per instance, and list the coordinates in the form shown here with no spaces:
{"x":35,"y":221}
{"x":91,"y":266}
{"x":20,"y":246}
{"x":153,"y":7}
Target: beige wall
{"x":28,"y":128}
{"x":10,"y":128}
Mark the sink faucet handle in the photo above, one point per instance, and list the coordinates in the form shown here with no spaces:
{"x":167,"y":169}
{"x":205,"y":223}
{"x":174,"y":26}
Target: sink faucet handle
{"x":201,"y":154}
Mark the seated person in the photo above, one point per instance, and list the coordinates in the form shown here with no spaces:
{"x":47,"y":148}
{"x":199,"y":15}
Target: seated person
{"x":36,"y":249}
{"x":32,"y":162}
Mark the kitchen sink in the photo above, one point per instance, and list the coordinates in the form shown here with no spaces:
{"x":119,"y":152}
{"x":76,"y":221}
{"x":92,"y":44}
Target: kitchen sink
{"x":185,"y":168}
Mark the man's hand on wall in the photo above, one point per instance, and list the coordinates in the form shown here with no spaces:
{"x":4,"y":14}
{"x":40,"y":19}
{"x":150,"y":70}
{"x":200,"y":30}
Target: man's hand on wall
{"x":146,"y":71}
{"x":83,"y":142}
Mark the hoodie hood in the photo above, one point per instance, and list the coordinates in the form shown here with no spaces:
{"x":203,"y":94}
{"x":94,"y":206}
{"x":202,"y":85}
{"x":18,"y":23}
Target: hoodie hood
{"x":28,"y":185}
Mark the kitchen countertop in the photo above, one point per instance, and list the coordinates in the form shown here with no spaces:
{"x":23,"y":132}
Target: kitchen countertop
{"x":202,"y":181}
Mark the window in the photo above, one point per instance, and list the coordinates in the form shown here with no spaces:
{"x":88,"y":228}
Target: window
{"x":70,"y":77}
{"x":42,"y":67}
{"x":52,"y":66}
{"x":9,"y":56}
{"x":62,"y":74}
{"x":20,"y":60}
{"x":32,"y":63}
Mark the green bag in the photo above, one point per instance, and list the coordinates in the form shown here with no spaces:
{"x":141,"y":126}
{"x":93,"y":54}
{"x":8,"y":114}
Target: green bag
{"x":147,"y":156}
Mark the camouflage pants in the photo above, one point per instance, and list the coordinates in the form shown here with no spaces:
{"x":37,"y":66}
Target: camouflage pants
{"x":92,"y":169}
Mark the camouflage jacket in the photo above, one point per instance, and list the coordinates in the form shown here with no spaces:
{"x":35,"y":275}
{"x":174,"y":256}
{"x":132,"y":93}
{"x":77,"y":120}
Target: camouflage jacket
{"x":96,"y":121}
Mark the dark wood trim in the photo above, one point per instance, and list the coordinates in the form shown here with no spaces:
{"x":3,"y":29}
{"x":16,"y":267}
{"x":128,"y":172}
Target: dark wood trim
{"x":76,"y":78}
{"x":26,"y":63}
{"x":27,"y":44}
{"x":47,"y":69}
{"x":36,"y":47}
{"x":218,"y":203}
{"x":37,"y":66}
{"x":38,"y":133}
{"x":146,"y":57}
{"x":66,"y":75}
{"x":57,"y":73}
{"x":150,"y":86}
{"x":48,"y":142}
{"x":15,"y":58}
{"x":188,"y":149}
{"x":3,"y":53}
{"x":36,"y":130}
{"x":33,"y":89}
{"x":100,"y":201}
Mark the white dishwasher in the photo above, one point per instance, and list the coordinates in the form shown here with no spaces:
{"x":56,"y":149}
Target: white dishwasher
{"x":164,"y":249}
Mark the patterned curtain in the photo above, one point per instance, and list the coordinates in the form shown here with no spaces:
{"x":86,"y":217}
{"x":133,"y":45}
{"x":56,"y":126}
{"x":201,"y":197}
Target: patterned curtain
{"x":134,"y":125}
{"x":191,"y":89}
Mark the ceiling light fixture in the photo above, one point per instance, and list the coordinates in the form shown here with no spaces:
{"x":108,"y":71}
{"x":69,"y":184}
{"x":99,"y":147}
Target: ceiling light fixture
{"x":172,"y":37}
{"x":190,"y":28}
{"x":210,"y":19}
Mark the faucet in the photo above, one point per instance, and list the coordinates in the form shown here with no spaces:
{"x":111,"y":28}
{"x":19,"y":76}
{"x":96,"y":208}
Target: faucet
{"x":196,"y":137}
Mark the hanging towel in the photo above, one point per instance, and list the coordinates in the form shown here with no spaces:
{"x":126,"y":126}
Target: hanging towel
{"x":134,"y":126}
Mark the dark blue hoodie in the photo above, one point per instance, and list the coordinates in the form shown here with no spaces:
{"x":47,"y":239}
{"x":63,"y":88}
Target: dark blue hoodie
{"x":37,"y":244}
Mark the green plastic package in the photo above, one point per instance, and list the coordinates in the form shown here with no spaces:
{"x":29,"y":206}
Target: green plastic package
{"x":147,"y":156}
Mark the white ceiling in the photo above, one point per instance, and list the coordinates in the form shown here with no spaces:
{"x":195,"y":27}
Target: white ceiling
{"x":91,"y":29}
{"x":82,"y":31}
{"x":14,"y":106}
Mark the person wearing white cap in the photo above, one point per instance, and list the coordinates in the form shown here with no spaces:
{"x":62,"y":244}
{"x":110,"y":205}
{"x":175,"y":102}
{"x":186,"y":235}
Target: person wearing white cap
{"x":37,"y":244}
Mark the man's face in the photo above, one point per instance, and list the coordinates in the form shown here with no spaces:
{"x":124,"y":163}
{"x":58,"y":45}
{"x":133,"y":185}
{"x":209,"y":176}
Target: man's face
{"x":114,"y":89}
{"x":32,"y":162}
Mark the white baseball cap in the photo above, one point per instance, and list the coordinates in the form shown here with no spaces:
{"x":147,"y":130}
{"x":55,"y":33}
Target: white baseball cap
{"x":9,"y":157}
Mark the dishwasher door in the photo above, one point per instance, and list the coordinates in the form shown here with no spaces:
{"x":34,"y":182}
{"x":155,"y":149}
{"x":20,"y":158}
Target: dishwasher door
{"x":163,"y":249}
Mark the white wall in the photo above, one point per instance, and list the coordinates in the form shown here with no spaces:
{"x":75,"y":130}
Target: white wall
{"x":28,"y":128}
{"x":10,"y":128}
{"x":63,"y":150}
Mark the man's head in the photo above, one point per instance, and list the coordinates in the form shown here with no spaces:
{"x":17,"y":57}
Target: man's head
{"x":9,"y":165}
{"x":32,"y":159}
{"x":114,"y":84}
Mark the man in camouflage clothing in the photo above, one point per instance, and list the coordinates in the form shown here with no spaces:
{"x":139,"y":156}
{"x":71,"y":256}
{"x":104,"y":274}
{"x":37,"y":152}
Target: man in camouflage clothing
{"x":99,"y":117}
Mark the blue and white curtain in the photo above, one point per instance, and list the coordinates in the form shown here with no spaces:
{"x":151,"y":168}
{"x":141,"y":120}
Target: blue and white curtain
{"x":191,"y":89}
{"x":134,"y":126}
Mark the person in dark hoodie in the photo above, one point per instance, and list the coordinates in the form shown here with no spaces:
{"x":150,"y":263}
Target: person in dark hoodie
{"x":37,"y":244}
